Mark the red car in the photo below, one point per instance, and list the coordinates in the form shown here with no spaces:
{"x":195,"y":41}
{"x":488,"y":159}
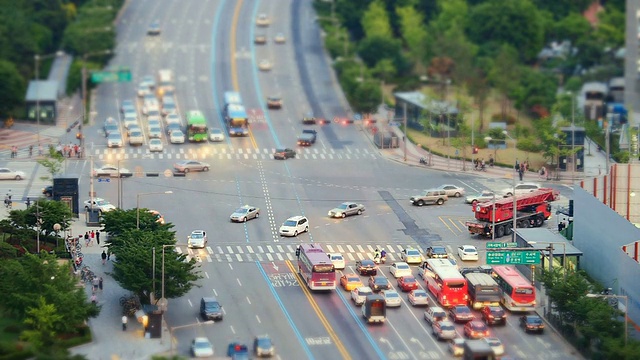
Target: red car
{"x":494,"y":315}
{"x":476,"y":329}
{"x":407,"y":283}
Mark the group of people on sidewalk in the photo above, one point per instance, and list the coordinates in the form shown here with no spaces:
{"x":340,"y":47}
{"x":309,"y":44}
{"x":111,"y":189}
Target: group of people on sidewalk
{"x":89,"y":236}
{"x":69,"y":150}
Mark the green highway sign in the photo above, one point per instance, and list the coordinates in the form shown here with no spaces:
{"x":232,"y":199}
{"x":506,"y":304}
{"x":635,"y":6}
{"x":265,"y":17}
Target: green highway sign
{"x":513,"y":257}
{"x":501,"y":245}
{"x":115,"y":75}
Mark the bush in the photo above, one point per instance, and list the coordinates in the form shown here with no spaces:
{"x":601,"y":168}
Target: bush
{"x":508,"y":118}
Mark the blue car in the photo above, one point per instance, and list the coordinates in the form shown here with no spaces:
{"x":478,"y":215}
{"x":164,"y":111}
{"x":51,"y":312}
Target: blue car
{"x":238,"y":351}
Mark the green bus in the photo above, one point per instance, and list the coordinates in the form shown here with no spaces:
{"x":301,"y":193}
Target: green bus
{"x":196,"y":126}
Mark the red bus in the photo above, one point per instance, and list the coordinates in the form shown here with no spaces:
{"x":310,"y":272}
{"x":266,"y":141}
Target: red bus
{"x":517,"y":292}
{"x":445,"y":282}
{"x":315,"y":267}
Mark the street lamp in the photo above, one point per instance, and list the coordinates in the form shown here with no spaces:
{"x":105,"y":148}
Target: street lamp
{"x":37,"y":59}
{"x":138,"y":204}
{"x":626,"y":306}
{"x":84,"y":88}
{"x":515,"y":203}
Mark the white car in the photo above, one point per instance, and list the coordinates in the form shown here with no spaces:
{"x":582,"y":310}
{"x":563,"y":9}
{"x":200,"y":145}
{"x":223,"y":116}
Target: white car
{"x":337,"y":260}
{"x":411,"y":256}
{"x":392,"y":298}
{"x":216,"y":135}
{"x":452,"y":190}
{"x":130,"y":121}
{"x":143,"y":89}
{"x":468,"y":253}
{"x":100,"y":204}
{"x":201,"y":347}
{"x":197,"y":239}
{"x":483,"y":196}
{"x":111,"y":171}
{"x":263,"y":20}
{"x":294,"y":226}
{"x":264,"y":65}
{"x":114,"y":140}
{"x":418,"y":297}
{"x":136,"y":138}
{"x":400,"y":269}
{"x":155,"y":132}
{"x":359,"y":294}
{"x":8,"y":174}
{"x":173,"y":119}
{"x":176,"y":137}
{"x":280,"y":39}
{"x":155,"y":145}
{"x":522,"y":188}
{"x":496,"y":345}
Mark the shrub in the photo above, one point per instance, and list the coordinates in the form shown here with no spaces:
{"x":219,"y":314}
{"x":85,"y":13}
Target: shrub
{"x":508,"y":118}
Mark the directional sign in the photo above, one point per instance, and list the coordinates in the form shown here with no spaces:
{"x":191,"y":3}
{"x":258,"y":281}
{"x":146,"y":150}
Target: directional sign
{"x":104,"y":180}
{"x":115,"y":75}
{"x":501,"y":245}
{"x":513,"y":257}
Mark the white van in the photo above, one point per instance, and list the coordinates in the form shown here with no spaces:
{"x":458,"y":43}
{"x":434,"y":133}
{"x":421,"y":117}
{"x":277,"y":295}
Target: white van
{"x":165,"y":82}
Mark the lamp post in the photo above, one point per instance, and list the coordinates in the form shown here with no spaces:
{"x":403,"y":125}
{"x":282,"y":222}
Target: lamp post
{"x":37,"y":59}
{"x":573,"y":138}
{"x":138,"y":203}
{"x":84,"y":89}
{"x":626,"y":306}
{"x":515,"y":203}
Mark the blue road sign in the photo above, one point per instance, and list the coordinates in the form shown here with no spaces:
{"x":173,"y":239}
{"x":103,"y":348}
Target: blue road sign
{"x":357,"y":117}
{"x":104,"y":180}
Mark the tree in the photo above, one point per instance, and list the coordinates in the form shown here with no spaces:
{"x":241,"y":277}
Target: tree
{"x":503,"y":74}
{"x":478,"y":88}
{"x":52,"y":162}
{"x":441,"y":69}
{"x":12,"y":88}
{"x":535,"y":88}
{"x":41,"y":321}
{"x":413,"y":31}
{"x":374,"y":49}
{"x":452,"y":14}
{"x":366,"y":97}
{"x":375,"y":21}
{"x":573,"y":27}
{"x":453,"y":44}
{"x":50,"y":212}
{"x":611,"y":28}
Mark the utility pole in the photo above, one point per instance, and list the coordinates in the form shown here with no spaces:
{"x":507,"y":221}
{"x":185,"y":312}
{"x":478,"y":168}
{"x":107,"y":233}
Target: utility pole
{"x":404,"y":115}
{"x":91,"y":184}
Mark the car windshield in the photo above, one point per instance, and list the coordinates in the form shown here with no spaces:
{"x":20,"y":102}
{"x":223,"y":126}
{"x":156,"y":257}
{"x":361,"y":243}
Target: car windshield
{"x":290,"y":223}
{"x":114,"y":136}
{"x":337,"y":257}
{"x":212,"y":306}
{"x":461,"y":310}
{"x":264,"y":343}
{"x":380,"y":280}
{"x":367,"y":263}
{"x":353,"y":279}
{"x":242,"y":210}
{"x":392,"y":295}
{"x":409,"y":280}
{"x":202,"y":344}
{"x":197,"y":235}
{"x":155,"y":142}
{"x":102,"y":203}
{"x":493,"y":342}
{"x":403,"y":266}
{"x":216,"y":131}
{"x":420,"y":294}
{"x":447,"y":327}
{"x":469,"y":250}
{"x":413,"y":252}
{"x":342,"y":206}
{"x":365,"y":291}
{"x":536,"y":321}
{"x":439,"y":250}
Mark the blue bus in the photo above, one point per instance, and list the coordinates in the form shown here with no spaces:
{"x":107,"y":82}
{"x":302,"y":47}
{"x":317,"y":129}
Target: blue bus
{"x":232,"y":97}
{"x":237,"y":121}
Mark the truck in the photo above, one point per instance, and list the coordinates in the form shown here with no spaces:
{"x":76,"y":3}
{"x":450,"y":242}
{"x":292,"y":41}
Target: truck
{"x":374,"y":309}
{"x":483,"y":290}
{"x":532,"y":210}
{"x":307,"y":138}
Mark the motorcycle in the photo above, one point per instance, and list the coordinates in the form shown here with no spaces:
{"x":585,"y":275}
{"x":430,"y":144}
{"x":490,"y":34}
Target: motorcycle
{"x":423,"y":161}
{"x":380,"y":259}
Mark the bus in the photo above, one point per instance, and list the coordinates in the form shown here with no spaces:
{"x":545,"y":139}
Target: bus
{"x":165,"y":82}
{"x":517,"y":292}
{"x":196,"y":126}
{"x":237,"y":121}
{"x":232,"y":97}
{"x":483,"y":290}
{"x":315,"y":267}
{"x":445,"y":282}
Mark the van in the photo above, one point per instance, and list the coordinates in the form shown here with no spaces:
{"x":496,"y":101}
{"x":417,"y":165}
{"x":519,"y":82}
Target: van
{"x":374,"y":309}
{"x":435,"y":314}
{"x":210,"y":309}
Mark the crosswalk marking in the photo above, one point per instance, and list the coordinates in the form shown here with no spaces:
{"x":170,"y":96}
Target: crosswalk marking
{"x":269,"y":257}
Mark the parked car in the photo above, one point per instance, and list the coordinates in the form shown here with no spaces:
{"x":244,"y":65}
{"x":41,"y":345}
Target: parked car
{"x":452,"y":190}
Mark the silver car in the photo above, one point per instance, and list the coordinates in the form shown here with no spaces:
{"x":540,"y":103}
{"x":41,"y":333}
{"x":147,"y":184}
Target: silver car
{"x":480,"y":197}
{"x":345,"y":209}
{"x":452,"y":190}
{"x":191,"y":165}
{"x":7,"y":174}
{"x":245,"y":213}
{"x":155,"y":132}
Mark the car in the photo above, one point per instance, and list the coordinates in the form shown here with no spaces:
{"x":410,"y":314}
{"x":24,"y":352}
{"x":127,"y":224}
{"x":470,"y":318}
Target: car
{"x":496,"y":345}
{"x":434,"y":314}
{"x":114,"y":140}
{"x":411,"y":256}
{"x":174,"y":127}
{"x":130,"y":121}
{"x":400,"y":269}
{"x":186,"y":166}
{"x":452,"y":190}
{"x":8,"y":174}
{"x":284,"y":154}
{"x":418,"y":297}
{"x":279,"y":38}
{"x":133,"y":127}
{"x":127,"y":105}
{"x":168,"y":105}
{"x":216,"y":135}
{"x":359,"y":294}
{"x":176,"y":137}
{"x":143,"y":90}
{"x":155,"y":145}
{"x":437,"y":252}
{"x":433,"y":196}
{"x":346,"y":209}
{"x":244,"y":213}
{"x":197,"y":239}
{"x":152,"y":111}
{"x":155,"y":133}
{"x":237,"y":350}
{"x":111,"y":129}
{"x":476,"y":329}
{"x":260,"y":39}
{"x":309,"y":119}
{"x":263,"y":346}
{"x":210,"y":309}
{"x":456,"y":347}
{"x":483,"y":196}
{"x":173,"y":119}
{"x":493,"y":315}
{"x":468,"y":253}
{"x":391,"y":298}
{"x":100,"y":204}
{"x":265,"y":65}
{"x":294,"y":226}
{"x":154,"y":28}
{"x":47,"y":191}
{"x":111,"y":171}
{"x":366,"y":267}
{"x":149,"y":81}
{"x":378,"y":283}
{"x":109,"y":125}
{"x":444,"y":330}
{"x":522,"y":188}
{"x":201,"y":347}
{"x":407,"y":283}
{"x":263,"y":20}
{"x":350,"y":282}
{"x":274,"y":102}
{"x":337,"y":260}
{"x":461,"y":313}
{"x":136,"y":138}
{"x":531,"y":323}
{"x":153,"y":121}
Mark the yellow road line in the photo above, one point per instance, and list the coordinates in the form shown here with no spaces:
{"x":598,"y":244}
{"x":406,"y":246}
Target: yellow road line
{"x":234,"y":66}
{"x":454,"y":224}
{"x":447,"y":225}
{"x":316,"y":309}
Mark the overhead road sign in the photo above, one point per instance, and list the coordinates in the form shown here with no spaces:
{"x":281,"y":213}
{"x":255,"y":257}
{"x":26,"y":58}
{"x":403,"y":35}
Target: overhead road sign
{"x":501,"y":245}
{"x":513,"y":258}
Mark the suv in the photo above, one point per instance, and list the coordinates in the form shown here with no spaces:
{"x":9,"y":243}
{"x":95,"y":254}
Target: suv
{"x":433,"y":196}
{"x":210,"y":309}
{"x":294,"y":226}
{"x":435,"y":314}
{"x":437,"y":252}
{"x":521,"y":188}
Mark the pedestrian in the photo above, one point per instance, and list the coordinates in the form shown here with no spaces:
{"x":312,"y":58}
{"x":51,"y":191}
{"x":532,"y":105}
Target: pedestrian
{"x":104,"y":257}
{"x":95,"y":283}
{"x":100,"y":283}
{"x":94,"y":299}
{"x":521,"y":173}
{"x":86,"y":238}
{"x":517,"y":167}
{"x":39,"y":149}
{"x":542,"y":172}
{"x":30,"y":150}
{"x":124,"y":322}
{"x":92,"y":235}
{"x":28,"y":202}
{"x":98,"y":236}
{"x":560,"y":226}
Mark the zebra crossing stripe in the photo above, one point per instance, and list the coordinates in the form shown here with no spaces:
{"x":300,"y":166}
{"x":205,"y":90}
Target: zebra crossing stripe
{"x":350,"y":248}
{"x":209,"y":258}
{"x":290,"y":248}
{"x":178,"y":250}
{"x":250,"y":249}
{"x":269,"y":257}
{"x":279,"y":256}
{"x":229,"y":249}
{"x":219,"y":249}
{"x":350,"y":256}
{"x":218,"y":257}
{"x":290,"y":256}
{"x":329,"y":248}
{"x":269,"y":248}
{"x":239,"y":257}
{"x":280,"y":249}
{"x":340,"y":249}
{"x":259,"y":257}
{"x":229,"y":259}
{"x":360,"y":256}
{"x":209,"y":250}
{"x":360,"y":248}
{"x":240,"y":251}
{"x":260,"y":249}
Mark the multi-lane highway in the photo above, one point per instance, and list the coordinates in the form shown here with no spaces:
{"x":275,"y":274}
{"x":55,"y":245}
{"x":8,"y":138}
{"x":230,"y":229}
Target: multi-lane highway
{"x":209,"y":46}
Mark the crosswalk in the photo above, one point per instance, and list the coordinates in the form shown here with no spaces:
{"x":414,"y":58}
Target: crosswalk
{"x":268,"y":253}
{"x":213,"y":153}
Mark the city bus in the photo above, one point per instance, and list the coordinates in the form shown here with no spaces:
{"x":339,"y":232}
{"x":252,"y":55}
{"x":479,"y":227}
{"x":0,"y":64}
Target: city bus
{"x":517,"y":292}
{"x":445,"y":282}
{"x":483,"y":290}
{"x":232,"y":97}
{"x":315,"y":267}
{"x":196,"y":126}
{"x":165,"y":82}
{"x":237,"y":121}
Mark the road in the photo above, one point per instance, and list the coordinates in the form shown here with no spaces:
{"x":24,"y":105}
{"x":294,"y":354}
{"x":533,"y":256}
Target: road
{"x":209,"y":46}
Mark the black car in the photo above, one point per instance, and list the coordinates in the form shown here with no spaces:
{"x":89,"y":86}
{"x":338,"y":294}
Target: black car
{"x":461,"y":313}
{"x":532,"y":323}
{"x":366,"y":267}
{"x":494,"y":315}
{"x":437,"y":252}
{"x":283,"y":154}
{"x":263,"y":346}
{"x":154,"y":28}
{"x":210,"y":309}
{"x":379,"y":283}
{"x":309,"y":119}
{"x":48,"y":191}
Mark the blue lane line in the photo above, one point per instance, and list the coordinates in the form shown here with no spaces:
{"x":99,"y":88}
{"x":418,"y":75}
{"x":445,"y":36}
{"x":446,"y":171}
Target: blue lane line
{"x":286,"y":313}
{"x":261,"y":99}
{"x":358,"y":321}
{"x":216,"y":98}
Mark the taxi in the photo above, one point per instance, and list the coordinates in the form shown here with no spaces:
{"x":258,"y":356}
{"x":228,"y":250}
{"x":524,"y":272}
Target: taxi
{"x":350,"y":282}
